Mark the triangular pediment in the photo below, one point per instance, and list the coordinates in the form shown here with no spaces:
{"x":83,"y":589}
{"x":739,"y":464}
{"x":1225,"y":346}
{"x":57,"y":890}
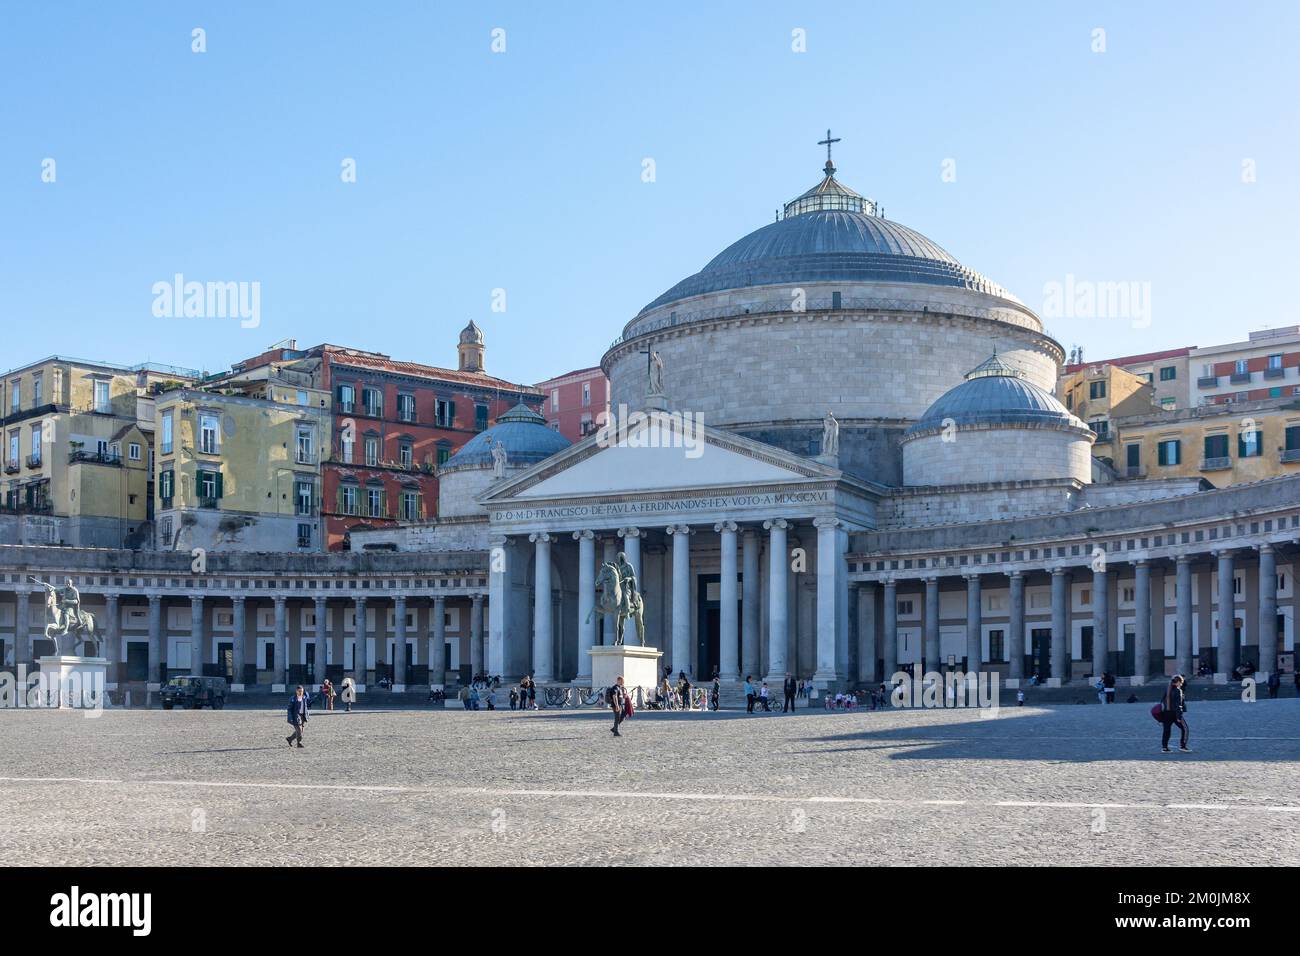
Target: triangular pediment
{"x":660,"y":452}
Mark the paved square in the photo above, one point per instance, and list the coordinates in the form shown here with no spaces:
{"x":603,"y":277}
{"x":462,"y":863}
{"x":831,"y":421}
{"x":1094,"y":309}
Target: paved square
{"x":1075,"y":784}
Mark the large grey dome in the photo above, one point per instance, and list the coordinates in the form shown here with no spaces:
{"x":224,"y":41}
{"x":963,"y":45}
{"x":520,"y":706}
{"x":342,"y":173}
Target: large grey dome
{"x":523,"y":432}
{"x":994,"y":394}
{"x":830,"y":234}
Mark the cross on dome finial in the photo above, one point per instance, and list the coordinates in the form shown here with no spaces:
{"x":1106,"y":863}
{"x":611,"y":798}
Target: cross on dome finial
{"x":830,"y":167}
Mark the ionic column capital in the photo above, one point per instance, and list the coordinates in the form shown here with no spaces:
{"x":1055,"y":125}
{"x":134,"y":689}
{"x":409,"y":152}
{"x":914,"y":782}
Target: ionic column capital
{"x":1016,"y":575}
{"x":680,"y":529}
{"x":584,"y":535}
{"x":630,"y":533}
{"x":730,"y":526}
{"x":1265,"y":548}
{"x":1183,"y":559}
{"x":476,"y":600}
{"x":771,"y":523}
{"x":826,"y":522}
{"x":543,"y":536}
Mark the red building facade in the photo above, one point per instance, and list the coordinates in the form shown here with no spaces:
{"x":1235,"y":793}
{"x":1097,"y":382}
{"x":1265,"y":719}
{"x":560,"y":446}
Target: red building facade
{"x":577,"y":403}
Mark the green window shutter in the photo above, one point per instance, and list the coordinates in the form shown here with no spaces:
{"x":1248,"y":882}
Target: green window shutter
{"x":217,"y":476}
{"x":451,"y":413}
{"x":419,"y":506}
{"x":383,"y":503}
{"x":339,"y":502}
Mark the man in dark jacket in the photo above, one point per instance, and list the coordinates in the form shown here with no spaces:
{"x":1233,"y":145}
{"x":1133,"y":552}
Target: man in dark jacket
{"x":791,"y":688}
{"x":297,"y":716}
{"x":617,"y":703}
{"x":1174,"y":704}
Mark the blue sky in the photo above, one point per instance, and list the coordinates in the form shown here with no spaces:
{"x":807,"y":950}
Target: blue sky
{"x":522,"y":171}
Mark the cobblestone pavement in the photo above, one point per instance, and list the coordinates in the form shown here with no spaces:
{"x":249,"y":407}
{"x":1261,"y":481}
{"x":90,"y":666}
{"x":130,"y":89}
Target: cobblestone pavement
{"x":1083,"y":785}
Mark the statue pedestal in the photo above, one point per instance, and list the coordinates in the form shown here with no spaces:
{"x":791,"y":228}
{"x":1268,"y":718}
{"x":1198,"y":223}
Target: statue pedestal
{"x":68,"y":681}
{"x":656,"y":402}
{"x":638,"y":666}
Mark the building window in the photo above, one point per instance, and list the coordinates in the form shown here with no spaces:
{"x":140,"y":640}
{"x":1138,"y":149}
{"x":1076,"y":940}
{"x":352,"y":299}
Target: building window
{"x":1242,"y":366}
{"x":347,"y":398}
{"x":101,"y":397}
{"x":480,"y":417}
{"x":304,"y":536}
{"x":345,"y":446}
{"x":586,"y":393}
{"x":15,"y":396}
{"x":133,"y":451}
{"x":15,"y":442}
{"x":306,"y":452}
{"x":1168,"y":403}
{"x":405,"y":454}
{"x":209,"y":435}
{"x":444,"y":452}
{"x":555,"y":399}
{"x":375,"y":502}
{"x":1275,"y":361}
{"x":35,"y":456}
{"x":166,"y":487}
{"x":348,"y":499}
{"x":167,"y":432}
{"x":410,"y":506}
{"x":304,"y":493}
{"x":1169,"y":373}
{"x":1102,"y":427}
{"x":1129,"y":595}
{"x":1250,"y":444}
{"x":372,"y":450}
{"x":165,"y":532}
{"x":904,"y":608}
{"x":445,"y":413}
{"x":209,"y":483}
{"x":1096,"y":390}
{"x":406,"y":408}
{"x":36,"y":391}
{"x":373,"y":399}
{"x":1169,"y":452}
{"x":996,"y":640}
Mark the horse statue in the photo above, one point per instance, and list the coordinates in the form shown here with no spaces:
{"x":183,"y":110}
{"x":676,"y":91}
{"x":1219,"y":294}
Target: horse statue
{"x":610,"y":599}
{"x":65,"y":616}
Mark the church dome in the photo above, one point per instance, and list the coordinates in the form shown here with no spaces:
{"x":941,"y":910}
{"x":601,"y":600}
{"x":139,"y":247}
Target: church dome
{"x":830,"y":234}
{"x":524,"y":433}
{"x":471,"y":334}
{"x":993,"y":394}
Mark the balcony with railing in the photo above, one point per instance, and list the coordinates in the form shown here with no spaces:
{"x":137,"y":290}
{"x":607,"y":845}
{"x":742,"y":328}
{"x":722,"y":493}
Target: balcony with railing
{"x":12,"y":466}
{"x":34,"y":461}
{"x":95,"y":458}
{"x":346,"y":408}
{"x":1208,"y":381}
{"x":1240,"y":378}
{"x":1275,"y":373}
{"x":305,"y":457}
{"x":212,"y":503}
{"x":1216,"y":464}
{"x":1289,"y":455}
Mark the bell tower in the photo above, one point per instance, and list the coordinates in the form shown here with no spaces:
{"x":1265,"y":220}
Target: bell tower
{"x":471,"y":348}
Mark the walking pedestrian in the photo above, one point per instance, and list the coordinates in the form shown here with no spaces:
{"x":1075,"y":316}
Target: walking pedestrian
{"x":1274,"y":684}
{"x":618,"y":703}
{"x":684,"y":689}
{"x":717,"y":689}
{"x":349,"y":693}
{"x":791,"y":688}
{"x":464,"y":697}
{"x":327,"y":694}
{"x":532,"y":693}
{"x":1020,"y":698}
{"x":514,"y":698}
{"x":490,"y":696}
{"x":750,"y":694}
{"x":1174,"y":705}
{"x":1108,"y":686}
{"x":297,"y":716}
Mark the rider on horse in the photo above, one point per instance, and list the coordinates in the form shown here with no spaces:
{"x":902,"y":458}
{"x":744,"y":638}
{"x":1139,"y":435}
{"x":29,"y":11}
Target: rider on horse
{"x":627,"y":579}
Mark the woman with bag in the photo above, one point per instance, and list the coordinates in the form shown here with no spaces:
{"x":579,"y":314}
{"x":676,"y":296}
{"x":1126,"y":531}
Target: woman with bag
{"x":1172,"y":707}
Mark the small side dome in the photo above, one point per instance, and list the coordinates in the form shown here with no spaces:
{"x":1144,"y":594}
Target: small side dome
{"x":523,"y":433}
{"x":995,"y":393}
{"x":471,"y":334}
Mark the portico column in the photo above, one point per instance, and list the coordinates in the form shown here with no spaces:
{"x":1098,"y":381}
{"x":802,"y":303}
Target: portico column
{"x":1016,"y":625}
{"x":22,"y":628}
{"x":889,"y":652}
{"x":777,"y":587}
{"x":542,"y":643}
{"x":750,"y":618}
{"x":438,"y":660}
{"x":866,"y":632}
{"x":112,"y":648}
{"x":1142,"y":622}
{"x":155,"y":639}
{"x":1183,"y":587}
{"x":930,"y":647}
{"x":729,"y":632}
{"x":1267,"y":662}
{"x":609,"y":552}
{"x":1227,"y":616}
{"x":827,"y":610}
{"x":586,"y":600}
{"x":681,"y":538}
{"x":476,"y":634}
{"x":238,"y":621}
{"x":399,"y":643}
{"x":322,"y":637}
{"x":282,"y":636}
{"x":496,"y":650}
{"x":974,"y":625}
{"x":1061,"y":625}
{"x":1100,"y":619}
{"x":360,"y":636}
{"x":197,"y":641}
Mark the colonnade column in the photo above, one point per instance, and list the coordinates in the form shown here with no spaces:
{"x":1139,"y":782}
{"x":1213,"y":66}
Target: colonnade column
{"x":750,"y":627}
{"x":1183,"y":638}
{"x":438,"y":660}
{"x":322,"y":637}
{"x":974,"y":625}
{"x":1267,"y":663}
{"x":399,"y":643}
{"x":586,"y":599}
{"x":1016,"y":625}
{"x":155,"y":639}
{"x":197,"y":636}
{"x":112,"y":640}
{"x":681,"y":600}
{"x":777,"y":588}
{"x":496,"y":649}
{"x":360,"y":647}
{"x":238,"y":621}
{"x":1142,"y":622}
{"x":930,"y":646}
{"x":1060,"y":649}
{"x":282,"y":636}
{"x":729,"y":632}
{"x":609,"y":552}
{"x":1227,"y":617}
{"x":866,"y":633}
{"x":476,"y":634}
{"x":889,"y":652}
{"x":827,"y":596}
{"x":1100,"y":618}
{"x":542,"y":642}
{"x":22,"y":628}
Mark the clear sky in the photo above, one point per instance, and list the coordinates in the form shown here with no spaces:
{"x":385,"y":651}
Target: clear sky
{"x":522,"y":170}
